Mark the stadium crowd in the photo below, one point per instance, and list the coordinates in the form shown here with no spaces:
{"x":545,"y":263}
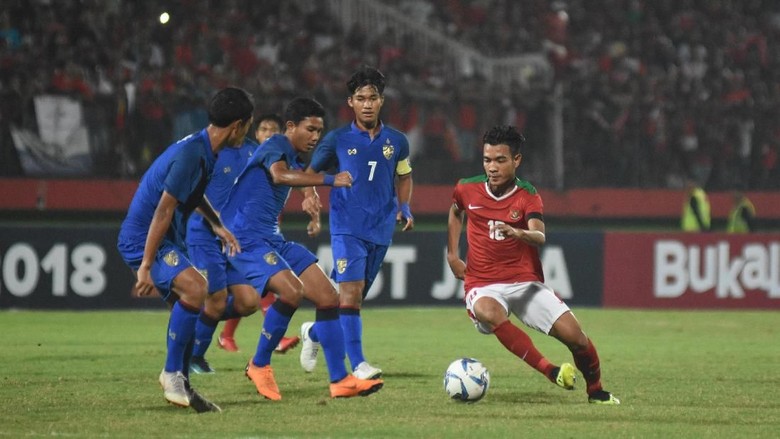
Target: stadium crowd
{"x":652,"y":92}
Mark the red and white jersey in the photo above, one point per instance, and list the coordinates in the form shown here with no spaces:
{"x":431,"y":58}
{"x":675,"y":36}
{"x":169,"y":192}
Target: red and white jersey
{"x":493,"y":259}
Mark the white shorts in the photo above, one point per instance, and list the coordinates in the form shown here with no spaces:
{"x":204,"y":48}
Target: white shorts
{"x":534,"y":303}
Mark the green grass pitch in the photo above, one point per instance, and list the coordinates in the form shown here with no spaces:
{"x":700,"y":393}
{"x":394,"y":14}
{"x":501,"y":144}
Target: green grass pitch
{"x":698,"y":374}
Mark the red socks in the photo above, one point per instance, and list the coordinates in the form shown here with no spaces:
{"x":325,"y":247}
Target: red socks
{"x":520,"y":344}
{"x":587,"y":361}
{"x":230,"y":327}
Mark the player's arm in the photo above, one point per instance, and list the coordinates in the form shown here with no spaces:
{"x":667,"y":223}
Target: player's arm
{"x":282,"y":175}
{"x":533,"y":236}
{"x":311,"y":205}
{"x":454,"y":229}
{"x":230,"y":244}
{"x":161,"y":220}
{"x":404,"y":192}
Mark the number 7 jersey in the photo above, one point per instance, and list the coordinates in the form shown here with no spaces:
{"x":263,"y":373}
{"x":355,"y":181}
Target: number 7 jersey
{"x":492,"y":258}
{"x":366,"y":210}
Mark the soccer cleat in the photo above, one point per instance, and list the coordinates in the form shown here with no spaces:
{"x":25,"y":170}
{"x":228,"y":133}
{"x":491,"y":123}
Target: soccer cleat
{"x":603,"y":397}
{"x":565,"y":377}
{"x":200,"y":365}
{"x":201,"y":404}
{"x":227,"y":343}
{"x":174,"y":386}
{"x":365,"y":371}
{"x":287,"y":343}
{"x":309,"y":348}
{"x":263,"y":378}
{"x":352,"y":386}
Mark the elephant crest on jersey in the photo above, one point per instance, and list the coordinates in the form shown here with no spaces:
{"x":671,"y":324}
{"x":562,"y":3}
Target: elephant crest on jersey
{"x":388,"y":150}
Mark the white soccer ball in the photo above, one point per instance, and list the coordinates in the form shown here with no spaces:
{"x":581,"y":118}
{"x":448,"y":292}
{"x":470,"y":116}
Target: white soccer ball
{"x":466,"y":380}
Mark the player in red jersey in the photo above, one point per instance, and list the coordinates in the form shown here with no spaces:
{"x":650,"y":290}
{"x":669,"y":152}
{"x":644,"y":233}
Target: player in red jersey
{"x":504,"y":274}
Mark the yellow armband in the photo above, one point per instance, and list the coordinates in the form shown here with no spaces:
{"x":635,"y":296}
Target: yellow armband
{"x":403,"y":167}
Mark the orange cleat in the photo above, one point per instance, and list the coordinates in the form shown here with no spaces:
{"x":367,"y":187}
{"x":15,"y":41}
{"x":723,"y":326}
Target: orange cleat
{"x":227,"y":343}
{"x":263,"y":378}
{"x":351,"y":386}
{"x":287,"y":343}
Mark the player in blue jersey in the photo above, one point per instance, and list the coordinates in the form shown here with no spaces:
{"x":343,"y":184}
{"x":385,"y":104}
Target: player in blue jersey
{"x":152,"y":236}
{"x":363,"y":216}
{"x":286,"y":268}
{"x":206,"y":255}
{"x":267,"y":125}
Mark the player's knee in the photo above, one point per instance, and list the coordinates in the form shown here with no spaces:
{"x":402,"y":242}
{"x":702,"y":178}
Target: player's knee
{"x":245,"y":307}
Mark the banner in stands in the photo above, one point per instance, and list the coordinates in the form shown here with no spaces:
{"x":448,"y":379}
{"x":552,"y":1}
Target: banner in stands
{"x":78,"y":267}
{"x":678,"y":270}
{"x":61,"y":145}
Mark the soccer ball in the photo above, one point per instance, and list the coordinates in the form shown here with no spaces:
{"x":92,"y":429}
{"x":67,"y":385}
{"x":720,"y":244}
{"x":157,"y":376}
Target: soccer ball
{"x":466,"y":380}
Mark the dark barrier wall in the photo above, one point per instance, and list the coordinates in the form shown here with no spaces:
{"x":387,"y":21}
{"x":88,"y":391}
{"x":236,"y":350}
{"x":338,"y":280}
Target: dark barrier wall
{"x":79,"y":268}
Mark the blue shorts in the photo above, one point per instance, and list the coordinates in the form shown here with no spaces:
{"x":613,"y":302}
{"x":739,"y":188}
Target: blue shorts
{"x":168,"y":263}
{"x":209,"y":259}
{"x":355,"y":259}
{"x":259,"y":263}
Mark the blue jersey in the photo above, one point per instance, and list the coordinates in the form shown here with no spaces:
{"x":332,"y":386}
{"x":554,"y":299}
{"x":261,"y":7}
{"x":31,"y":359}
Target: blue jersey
{"x":254,"y":204}
{"x":183,"y":170}
{"x":366,"y":210}
{"x":230,"y":163}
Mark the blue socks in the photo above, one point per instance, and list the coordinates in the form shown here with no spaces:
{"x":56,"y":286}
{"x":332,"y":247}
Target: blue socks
{"x":181,"y":329}
{"x":328,"y":332}
{"x":352,"y":325}
{"x":204,"y":333}
{"x":274,"y":326}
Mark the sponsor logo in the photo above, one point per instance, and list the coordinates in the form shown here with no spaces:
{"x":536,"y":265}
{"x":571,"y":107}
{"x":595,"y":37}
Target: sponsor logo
{"x":680,"y":268}
{"x":351,"y":151}
{"x":226,"y":170}
{"x":473,"y":207}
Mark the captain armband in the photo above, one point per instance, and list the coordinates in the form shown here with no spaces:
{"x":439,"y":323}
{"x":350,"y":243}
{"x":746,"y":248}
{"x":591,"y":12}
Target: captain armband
{"x":403,"y":167}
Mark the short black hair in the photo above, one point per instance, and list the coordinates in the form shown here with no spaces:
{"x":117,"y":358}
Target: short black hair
{"x":505,"y":135}
{"x":300,"y":108}
{"x":273,"y":117}
{"x":366,"y":76}
{"x":229,"y":105}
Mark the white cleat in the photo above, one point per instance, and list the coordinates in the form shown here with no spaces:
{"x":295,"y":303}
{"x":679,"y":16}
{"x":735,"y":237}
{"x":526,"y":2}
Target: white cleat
{"x":365,"y":371}
{"x":174,"y":386}
{"x":309,"y":348}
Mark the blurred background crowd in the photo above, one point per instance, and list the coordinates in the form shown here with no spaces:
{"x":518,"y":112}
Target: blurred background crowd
{"x":637,"y":93}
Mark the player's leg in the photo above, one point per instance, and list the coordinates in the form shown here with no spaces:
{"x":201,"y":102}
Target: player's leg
{"x":264,"y":268}
{"x":212,"y":263}
{"x":489,"y":308}
{"x":569,"y":332}
{"x":286,"y":343}
{"x":329,"y":332}
{"x":226,"y":339}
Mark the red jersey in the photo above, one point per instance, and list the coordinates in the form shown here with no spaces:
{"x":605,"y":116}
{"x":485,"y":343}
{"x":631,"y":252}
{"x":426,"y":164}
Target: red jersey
{"x":493,"y":259}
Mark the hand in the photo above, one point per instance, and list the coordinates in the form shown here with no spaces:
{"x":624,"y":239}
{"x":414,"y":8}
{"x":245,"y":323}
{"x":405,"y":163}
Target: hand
{"x":457,"y":266}
{"x":312,"y":205}
{"x":313,"y":228}
{"x":230,"y":244}
{"x":343,"y":179}
{"x":405,"y":214}
{"x":506,"y":231}
{"x":144,"y":285}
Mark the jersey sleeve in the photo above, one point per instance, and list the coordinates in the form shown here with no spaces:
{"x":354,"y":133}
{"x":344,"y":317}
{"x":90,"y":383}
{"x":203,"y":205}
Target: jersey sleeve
{"x":324,"y":156}
{"x":457,"y":197}
{"x":182,"y":175}
{"x":535,"y":207}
